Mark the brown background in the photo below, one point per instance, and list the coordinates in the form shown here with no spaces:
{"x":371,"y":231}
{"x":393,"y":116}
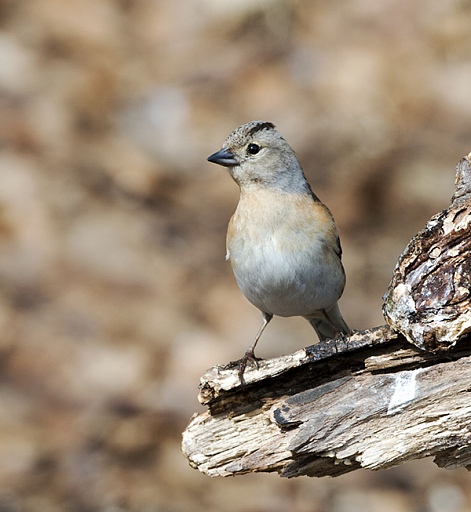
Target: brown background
{"x":114,"y":292}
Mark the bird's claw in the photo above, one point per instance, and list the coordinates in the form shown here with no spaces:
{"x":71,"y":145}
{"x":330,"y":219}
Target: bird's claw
{"x":249,"y":357}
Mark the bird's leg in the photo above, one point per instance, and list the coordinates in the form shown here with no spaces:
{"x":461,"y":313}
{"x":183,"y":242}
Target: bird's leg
{"x":250,"y":354}
{"x":329,"y":321}
{"x":337,"y":331}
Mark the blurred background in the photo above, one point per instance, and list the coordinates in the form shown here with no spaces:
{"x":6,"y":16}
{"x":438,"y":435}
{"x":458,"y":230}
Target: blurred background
{"x":114,"y":293}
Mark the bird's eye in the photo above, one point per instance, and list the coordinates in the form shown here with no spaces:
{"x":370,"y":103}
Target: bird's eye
{"x":253,"y":149}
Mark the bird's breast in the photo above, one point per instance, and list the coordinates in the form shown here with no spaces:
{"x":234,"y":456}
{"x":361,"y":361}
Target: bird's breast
{"x":282,"y":251}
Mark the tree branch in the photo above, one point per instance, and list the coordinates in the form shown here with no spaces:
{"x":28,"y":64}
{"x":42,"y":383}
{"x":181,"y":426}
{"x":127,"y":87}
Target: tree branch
{"x":371,"y":400}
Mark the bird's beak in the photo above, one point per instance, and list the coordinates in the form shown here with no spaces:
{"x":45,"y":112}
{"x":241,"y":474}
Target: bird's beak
{"x":223,"y":157}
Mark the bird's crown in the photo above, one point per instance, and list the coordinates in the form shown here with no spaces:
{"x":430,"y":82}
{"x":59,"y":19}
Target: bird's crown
{"x":243,"y":134}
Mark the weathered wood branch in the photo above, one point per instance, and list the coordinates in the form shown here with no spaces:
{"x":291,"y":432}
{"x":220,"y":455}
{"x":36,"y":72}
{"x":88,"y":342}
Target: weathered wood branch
{"x":429,"y":296}
{"x":371,"y":400}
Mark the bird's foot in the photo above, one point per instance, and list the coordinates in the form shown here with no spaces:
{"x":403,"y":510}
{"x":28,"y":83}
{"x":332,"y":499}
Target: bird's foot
{"x":241,"y":364}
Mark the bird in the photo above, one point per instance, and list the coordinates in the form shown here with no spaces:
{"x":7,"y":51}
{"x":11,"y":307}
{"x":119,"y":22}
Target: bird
{"x":282,"y":241}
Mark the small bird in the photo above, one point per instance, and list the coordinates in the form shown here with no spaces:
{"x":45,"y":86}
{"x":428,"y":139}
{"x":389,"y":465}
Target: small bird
{"x":282,"y":241}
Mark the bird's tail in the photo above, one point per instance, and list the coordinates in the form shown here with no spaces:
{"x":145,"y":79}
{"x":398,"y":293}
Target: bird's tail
{"x":329,"y":323}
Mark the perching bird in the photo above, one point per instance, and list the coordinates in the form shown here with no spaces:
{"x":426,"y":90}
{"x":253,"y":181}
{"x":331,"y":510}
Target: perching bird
{"x":282,"y":241}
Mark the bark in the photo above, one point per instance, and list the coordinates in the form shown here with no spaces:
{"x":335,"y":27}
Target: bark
{"x":429,"y":297}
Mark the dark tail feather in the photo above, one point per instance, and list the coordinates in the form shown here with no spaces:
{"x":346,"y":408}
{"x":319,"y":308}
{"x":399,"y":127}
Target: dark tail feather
{"x":329,"y":323}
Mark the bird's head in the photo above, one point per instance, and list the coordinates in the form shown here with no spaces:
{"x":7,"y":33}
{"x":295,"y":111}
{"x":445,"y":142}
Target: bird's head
{"x":255,"y":154}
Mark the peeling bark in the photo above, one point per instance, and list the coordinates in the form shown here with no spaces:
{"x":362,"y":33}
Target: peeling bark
{"x":429,"y":297}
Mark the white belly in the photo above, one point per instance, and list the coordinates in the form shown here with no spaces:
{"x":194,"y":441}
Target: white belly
{"x":286,"y":279}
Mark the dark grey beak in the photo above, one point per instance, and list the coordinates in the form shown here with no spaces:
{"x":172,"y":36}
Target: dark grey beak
{"x":223,"y":157}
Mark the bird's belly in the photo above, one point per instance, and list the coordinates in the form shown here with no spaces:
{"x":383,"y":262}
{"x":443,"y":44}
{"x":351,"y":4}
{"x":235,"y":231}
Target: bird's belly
{"x":284,"y":282}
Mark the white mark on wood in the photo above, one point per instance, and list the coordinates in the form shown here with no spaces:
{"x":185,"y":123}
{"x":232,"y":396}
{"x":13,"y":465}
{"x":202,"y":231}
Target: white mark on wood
{"x":405,"y":388}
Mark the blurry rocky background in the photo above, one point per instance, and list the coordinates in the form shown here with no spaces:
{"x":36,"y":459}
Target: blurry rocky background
{"x":114,"y":292}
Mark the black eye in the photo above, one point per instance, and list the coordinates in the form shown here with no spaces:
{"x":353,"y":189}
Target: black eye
{"x":253,"y":149}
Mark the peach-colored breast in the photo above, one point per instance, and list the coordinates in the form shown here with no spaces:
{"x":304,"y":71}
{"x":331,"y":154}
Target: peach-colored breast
{"x":284,"y":252}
